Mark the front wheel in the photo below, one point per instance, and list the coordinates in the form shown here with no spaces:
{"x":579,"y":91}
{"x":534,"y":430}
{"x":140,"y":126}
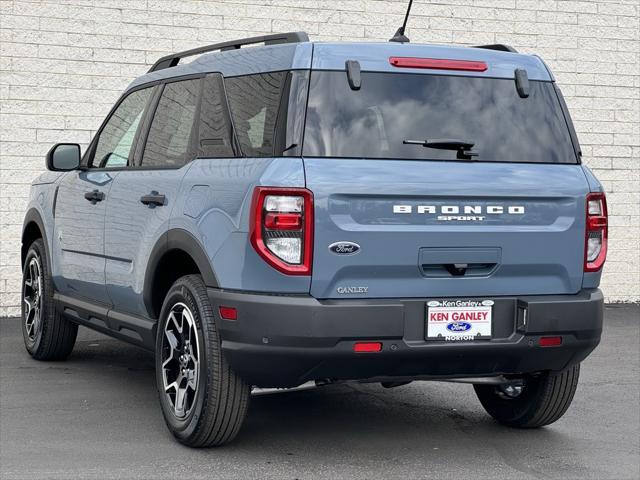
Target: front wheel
{"x":540,"y":400}
{"x":47,"y":334}
{"x":203,"y":401}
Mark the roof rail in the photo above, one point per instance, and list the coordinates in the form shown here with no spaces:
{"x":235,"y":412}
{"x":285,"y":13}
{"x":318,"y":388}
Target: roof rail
{"x":173,"y":59}
{"x":498,"y":46}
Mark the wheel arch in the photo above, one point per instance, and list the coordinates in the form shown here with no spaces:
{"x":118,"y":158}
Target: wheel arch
{"x":175,"y":254}
{"x":32,"y":229}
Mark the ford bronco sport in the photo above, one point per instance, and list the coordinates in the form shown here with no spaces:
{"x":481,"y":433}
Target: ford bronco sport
{"x":305,"y":212}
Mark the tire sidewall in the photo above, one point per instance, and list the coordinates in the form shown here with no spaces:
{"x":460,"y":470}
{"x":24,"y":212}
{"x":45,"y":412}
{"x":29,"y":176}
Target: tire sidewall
{"x":182,"y":293}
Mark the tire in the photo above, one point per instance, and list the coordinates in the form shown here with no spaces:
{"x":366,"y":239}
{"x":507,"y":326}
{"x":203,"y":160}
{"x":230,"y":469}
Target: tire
{"x":203,"y":401}
{"x":543,"y":400}
{"x":47,"y":334}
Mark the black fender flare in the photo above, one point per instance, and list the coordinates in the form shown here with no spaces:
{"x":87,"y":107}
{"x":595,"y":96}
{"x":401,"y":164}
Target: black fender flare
{"x":33,"y":216}
{"x":176,"y":239}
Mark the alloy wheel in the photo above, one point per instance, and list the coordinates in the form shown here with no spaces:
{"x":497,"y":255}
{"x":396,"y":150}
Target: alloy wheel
{"x":32,"y":297}
{"x":180,"y":360}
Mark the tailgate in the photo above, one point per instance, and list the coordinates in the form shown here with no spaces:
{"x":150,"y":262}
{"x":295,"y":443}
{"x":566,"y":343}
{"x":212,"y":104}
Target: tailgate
{"x":432,"y":229}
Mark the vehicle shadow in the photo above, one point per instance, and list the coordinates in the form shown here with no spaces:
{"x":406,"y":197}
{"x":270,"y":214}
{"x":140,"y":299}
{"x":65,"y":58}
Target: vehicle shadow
{"x":439,"y":417}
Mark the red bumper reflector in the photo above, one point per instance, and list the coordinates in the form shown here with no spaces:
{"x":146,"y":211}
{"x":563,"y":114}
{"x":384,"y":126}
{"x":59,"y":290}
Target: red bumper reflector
{"x":438,"y":64}
{"x":228,"y":313}
{"x":550,"y":341}
{"x":367,"y":347}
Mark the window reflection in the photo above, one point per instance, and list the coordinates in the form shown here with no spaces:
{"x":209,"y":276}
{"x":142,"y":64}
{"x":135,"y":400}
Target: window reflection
{"x":389,"y":108}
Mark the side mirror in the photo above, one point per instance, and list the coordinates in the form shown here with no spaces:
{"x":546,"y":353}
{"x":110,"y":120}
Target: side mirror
{"x":63,"y":157}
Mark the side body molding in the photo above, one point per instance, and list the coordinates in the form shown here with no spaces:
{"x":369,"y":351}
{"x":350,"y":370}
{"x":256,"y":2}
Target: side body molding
{"x":176,"y":239}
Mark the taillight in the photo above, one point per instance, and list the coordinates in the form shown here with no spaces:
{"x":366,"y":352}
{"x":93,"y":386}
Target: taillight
{"x":438,"y":64}
{"x":595,"y":252}
{"x":282,"y":228}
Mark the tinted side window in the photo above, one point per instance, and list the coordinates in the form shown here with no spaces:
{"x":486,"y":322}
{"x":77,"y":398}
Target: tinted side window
{"x":215,"y":134}
{"x":254,"y":102}
{"x":116,"y":138}
{"x":169,"y":141}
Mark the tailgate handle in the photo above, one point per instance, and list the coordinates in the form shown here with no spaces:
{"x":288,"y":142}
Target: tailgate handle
{"x":459,"y":262}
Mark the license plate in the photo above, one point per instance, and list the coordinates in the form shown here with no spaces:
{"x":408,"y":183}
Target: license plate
{"x":459,"y":320}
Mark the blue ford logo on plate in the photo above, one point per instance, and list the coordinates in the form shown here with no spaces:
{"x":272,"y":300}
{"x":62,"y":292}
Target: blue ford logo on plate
{"x":459,"y":327}
{"x":344,"y":248}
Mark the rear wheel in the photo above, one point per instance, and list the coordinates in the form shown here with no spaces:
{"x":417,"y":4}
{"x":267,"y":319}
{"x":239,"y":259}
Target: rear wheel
{"x":540,"y":400}
{"x":203,"y":401}
{"x":47,"y":334}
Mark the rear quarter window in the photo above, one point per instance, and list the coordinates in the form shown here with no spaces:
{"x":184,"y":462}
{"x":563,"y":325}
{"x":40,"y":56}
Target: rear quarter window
{"x":389,"y":108}
{"x":254,"y":101}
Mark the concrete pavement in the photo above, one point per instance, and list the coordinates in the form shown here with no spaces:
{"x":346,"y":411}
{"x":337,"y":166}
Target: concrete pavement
{"x":97,"y":416}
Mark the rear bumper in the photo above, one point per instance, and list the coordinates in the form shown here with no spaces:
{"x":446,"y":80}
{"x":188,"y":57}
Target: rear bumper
{"x":280,"y":341}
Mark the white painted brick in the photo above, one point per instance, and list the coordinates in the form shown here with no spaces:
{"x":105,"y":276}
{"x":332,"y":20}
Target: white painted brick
{"x":64,"y":62}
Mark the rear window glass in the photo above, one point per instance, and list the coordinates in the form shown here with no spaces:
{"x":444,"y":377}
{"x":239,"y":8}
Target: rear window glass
{"x":390,"y":108}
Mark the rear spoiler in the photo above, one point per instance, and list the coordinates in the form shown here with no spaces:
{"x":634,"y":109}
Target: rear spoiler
{"x":498,"y":46}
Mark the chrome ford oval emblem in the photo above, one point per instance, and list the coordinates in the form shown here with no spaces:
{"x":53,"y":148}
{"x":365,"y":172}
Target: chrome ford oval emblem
{"x":344,"y":248}
{"x":459,"y":326}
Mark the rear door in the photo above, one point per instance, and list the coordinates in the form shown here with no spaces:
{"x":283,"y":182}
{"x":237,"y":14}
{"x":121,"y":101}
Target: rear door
{"x":433,"y":222}
{"x":143,"y":195}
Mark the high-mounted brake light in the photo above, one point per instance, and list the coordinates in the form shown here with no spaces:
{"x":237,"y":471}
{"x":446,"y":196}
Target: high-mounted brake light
{"x":595,"y":251}
{"x":282,"y":228}
{"x":438,"y":64}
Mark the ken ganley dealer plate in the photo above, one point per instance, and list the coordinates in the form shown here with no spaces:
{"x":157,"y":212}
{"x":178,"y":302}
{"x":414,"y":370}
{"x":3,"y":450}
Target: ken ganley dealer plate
{"x":459,"y":320}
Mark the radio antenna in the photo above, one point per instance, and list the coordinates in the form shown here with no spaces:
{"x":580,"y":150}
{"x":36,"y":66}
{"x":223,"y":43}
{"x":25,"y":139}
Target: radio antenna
{"x":399,"y":35}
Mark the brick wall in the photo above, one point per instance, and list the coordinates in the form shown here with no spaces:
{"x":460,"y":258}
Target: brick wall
{"x":64,"y":62}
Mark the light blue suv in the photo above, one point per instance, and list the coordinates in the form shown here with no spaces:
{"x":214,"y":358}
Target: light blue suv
{"x":319,"y":212}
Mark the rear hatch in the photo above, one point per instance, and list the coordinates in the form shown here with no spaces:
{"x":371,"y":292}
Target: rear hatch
{"x":438,"y":217}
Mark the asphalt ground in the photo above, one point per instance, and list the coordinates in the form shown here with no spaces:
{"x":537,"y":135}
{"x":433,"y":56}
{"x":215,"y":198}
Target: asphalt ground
{"x":96,"y":415}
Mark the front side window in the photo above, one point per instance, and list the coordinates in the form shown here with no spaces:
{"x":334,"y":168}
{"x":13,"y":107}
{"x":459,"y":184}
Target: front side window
{"x":169,"y":143}
{"x":391,"y":108}
{"x":114,"y":146}
{"x":254,"y":101}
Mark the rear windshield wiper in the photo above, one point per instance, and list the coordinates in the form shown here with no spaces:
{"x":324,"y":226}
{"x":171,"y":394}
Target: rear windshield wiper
{"x":463,"y":147}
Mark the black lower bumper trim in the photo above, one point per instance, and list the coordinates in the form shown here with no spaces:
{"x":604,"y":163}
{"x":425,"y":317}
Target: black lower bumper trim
{"x":283,"y":341}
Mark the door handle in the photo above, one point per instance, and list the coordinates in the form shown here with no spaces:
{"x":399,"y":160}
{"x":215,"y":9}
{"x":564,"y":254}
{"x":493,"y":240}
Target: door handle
{"x":94,"y":196}
{"x":153,"y":199}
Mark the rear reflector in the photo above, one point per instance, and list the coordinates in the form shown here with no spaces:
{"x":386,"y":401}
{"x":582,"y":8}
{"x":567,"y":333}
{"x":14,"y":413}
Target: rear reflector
{"x":228,"y":313}
{"x":367,"y":347}
{"x":438,"y":64}
{"x":550,"y":341}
